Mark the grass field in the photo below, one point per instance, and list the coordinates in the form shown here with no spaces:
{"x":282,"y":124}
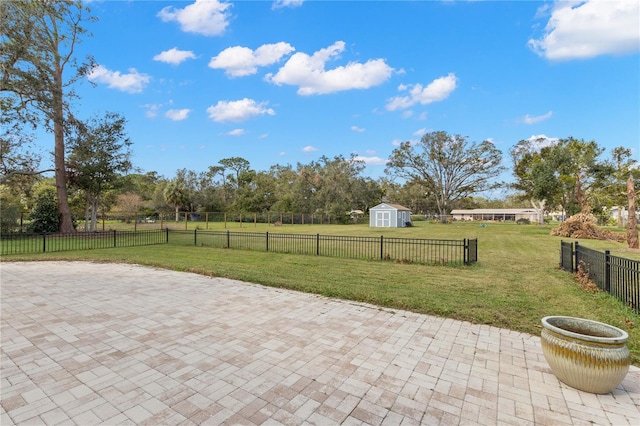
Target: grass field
{"x":515,"y":283}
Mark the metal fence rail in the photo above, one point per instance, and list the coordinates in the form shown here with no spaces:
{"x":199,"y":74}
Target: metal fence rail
{"x":409,"y":250}
{"x":618,"y":276}
{"x":21,"y":243}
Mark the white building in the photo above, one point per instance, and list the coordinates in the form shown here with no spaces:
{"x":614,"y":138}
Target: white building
{"x":387,"y":215}
{"x":500,"y":215}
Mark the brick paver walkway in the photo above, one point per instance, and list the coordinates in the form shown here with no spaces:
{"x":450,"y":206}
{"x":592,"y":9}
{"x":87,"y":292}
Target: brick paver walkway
{"x":87,"y":343}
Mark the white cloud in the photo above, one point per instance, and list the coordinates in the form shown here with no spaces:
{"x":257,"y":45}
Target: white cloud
{"x":174,"y":56}
{"x":585,"y":29}
{"x":263,"y":136}
{"x":528,"y":119}
{"x":438,"y":90}
{"x":133,"y":82}
{"x":238,"y":61}
{"x":236,"y":132}
{"x":420,"y":132}
{"x":371,"y":161}
{"x":311,"y":77}
{"x":309,"y":148}
{"x":279,"y":4}
{"x":206,"y":17}
{"x":241,"y":110}
{"x":177,"y":114}
{"x":357,"y":129}
{"x":540,"y":141}
{"x":151,"y":109}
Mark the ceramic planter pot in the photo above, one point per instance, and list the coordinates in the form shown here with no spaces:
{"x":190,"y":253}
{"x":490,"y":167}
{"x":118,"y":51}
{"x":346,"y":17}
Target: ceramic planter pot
{"x":588,"y":355}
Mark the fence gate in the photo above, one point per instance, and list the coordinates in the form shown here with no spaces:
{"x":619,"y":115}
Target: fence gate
{"x":566,"y":256}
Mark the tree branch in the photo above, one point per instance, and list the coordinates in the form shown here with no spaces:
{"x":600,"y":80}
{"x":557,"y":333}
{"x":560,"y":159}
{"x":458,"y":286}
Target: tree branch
{"x":4,"y":178}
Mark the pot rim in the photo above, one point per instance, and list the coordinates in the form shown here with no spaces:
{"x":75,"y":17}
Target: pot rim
{"x":622,"y":337}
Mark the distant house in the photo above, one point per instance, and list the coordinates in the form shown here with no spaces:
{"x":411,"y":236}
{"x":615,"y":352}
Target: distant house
{"x":387,"y":215}
{"x":501,"y":215}
{"x":613,"y":212}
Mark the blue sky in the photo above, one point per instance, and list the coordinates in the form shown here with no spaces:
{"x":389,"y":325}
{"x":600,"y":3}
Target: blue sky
{"x":289,"y":81}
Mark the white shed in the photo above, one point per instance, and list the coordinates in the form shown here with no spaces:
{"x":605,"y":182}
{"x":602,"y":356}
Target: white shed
{"x":387,"y":215}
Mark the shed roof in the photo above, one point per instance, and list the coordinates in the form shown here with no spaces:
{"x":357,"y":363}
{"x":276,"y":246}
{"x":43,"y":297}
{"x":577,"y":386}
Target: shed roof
{"x":394,"y":206}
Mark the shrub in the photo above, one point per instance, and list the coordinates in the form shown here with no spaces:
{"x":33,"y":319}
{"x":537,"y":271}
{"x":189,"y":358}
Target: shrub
{"x":523,"y":221}
{"x":9,"y":216}
{"x":45,"y":216}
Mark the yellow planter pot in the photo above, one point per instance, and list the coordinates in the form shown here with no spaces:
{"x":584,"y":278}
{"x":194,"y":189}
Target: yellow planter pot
{"x":588,"y":355}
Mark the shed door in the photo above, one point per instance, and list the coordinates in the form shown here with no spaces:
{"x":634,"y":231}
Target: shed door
{"x":383,"y":219}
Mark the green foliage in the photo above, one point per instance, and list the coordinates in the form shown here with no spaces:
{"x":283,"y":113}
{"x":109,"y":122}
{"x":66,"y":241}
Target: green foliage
{"x":45,"y":216}
{"x":566,"y":173}
{"x":9,"y":210}
{"x":176,"y":194}
{"x":100,"y":151}
{"x":37,"y":52}
{"x":449,"y":168}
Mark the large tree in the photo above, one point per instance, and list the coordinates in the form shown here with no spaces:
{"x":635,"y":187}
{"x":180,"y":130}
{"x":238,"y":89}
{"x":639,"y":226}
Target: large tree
{"x":623,"y":166}
{"x":632,"y":223}
{"x":38,"y":69}
{"x":449,"y":167}
{"x":100,"y":152}
{"x":535,"y":168}
{"x":565,"y":172}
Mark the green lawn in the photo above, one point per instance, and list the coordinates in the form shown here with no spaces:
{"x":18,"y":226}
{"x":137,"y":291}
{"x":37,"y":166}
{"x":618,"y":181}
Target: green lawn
{"x":515,"y":283}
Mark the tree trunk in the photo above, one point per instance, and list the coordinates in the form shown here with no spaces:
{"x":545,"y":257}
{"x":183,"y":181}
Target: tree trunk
{"x":632,"y":224}
{"x":539,"y":210}
{"x":94,"y":213}
{"x":620,"y":221}
{"x":443,"y":215}
{"x":86,"y":214}
{"x":66,"y":223}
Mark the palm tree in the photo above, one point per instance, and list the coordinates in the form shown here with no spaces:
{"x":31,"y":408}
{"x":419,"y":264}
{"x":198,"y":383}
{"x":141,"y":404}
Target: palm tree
{"x":175,"y":195}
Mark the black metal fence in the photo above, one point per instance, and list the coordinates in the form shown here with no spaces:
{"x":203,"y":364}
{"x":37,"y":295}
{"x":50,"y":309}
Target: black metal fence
{"x":22,"y":243}
{"x":406,"y":250}
{"x":409,"y":250}
{"x":618,"y":276}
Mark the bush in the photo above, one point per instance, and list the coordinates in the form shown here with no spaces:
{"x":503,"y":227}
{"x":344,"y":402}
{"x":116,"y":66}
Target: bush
{"x":523,"y":221}
{"x":45,"y":216}
{"x":9,"y":216}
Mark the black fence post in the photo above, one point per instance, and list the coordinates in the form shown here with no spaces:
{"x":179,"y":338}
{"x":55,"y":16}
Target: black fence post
{"x":115,"y":239}
{"x":574,"y":267}
{"x":607,"y":271}
{"x":381,"y":247}
{"x":44,"y":242}
{"x":228,"y":240}
{"x":465,"y":253}
{"x":267,"y":236}
{"x":317,"y":244}
{"x":195,"y":237}
{"x":167,"y":237}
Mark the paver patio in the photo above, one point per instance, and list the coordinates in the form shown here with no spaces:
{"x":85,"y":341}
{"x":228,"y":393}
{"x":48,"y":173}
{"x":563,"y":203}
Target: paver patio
{"x":88,"y":343}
